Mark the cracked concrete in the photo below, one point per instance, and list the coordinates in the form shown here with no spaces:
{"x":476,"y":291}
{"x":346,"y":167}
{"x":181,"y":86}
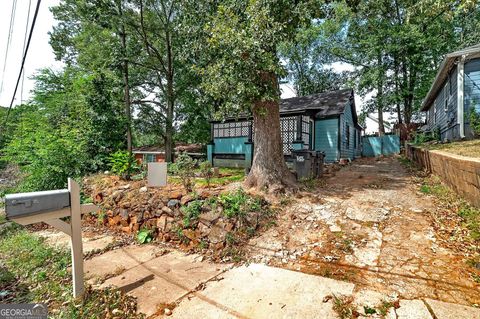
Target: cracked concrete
{"x":369,"y":224}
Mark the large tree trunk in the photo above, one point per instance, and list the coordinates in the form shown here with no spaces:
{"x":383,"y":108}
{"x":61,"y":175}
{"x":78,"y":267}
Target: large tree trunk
{"x":126,"y":84}
{"x":381,"y":126}
{"x":397,"y":90}
{"x":170,"y":101}
{"x":169,"y":132}
{"x":268,"y":168}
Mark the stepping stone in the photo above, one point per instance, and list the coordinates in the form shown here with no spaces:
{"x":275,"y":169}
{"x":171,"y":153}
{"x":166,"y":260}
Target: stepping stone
{"x":157,"y":281}
{"x":413,"y":309}
{"x":259,"y":291}
{"x":446,"y":310}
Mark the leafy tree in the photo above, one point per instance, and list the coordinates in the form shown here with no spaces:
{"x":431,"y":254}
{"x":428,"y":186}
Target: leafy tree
{"x":307,"y":63}
{"x":93,"y":35}
{"x":396,"y":47}
{"x":68,"y":129}
{"x":47,"y":156}
{"x":241,"y":67}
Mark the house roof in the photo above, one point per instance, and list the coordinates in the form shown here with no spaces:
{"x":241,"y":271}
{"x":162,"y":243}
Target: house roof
{"x":327,"y":103}
{"x":157,"y":149}
{"x":322,"y":105}
{"x":148,"y":149}
{"x":442,"y":73}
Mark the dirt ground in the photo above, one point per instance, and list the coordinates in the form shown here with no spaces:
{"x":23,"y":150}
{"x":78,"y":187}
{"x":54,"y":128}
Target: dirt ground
{"x":369,"y":225}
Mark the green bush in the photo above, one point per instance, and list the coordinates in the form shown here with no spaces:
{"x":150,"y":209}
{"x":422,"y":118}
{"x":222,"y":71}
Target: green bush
{"x":206,"y":171}
{"x":184,"y":168}
{"x":421,"y":138}
{"x":239,"y":203}
{"x":145,"y":236}
{"x":123,"y":164}
{"x":474,"y":117}
{"x":191,"y":212}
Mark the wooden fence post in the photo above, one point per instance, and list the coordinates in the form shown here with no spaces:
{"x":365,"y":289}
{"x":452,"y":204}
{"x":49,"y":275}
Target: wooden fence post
{"x":76,"y":238}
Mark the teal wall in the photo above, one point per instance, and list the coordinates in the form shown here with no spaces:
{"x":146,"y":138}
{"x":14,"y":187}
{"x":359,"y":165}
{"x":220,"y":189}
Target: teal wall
{"x":230,"y":145}
{"x":375,"y":146}
{"x":326,"y":138}
{"x":210,"y":153}
{"x":347,"y":151}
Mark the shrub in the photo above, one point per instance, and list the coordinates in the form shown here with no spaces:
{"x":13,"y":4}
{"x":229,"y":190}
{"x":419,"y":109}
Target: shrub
{"x":144,"y":236}
{"x":191,"y":212}
{"x":123,"y":164}
{"x":474,"y":117}
{"x":239,"y":203}
{"x":206,"y":171}
{"x":184,"y":169}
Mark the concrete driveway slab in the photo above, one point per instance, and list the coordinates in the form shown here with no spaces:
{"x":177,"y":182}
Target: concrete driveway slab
{"x":259,"y":291}
{"x":413,"y":309}
{"x":447,"y":310}
{"x":153,"y":280}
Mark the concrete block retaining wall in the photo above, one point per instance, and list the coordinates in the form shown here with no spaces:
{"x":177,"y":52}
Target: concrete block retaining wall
{"x":461,"y":173}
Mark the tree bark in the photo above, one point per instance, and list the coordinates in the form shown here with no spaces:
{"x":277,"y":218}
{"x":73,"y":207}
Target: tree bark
{"x":126,"y":85}
{"x":170,"y":98}
{"x":268,"y":168}
{"x":381,"y":126}
{"x":397,"y":90}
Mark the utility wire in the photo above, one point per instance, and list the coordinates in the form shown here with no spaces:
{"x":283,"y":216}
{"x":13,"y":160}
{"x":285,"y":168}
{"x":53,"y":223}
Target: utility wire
{"x":9,"y":40}
{"x":23,"y":62}
{"x":23,"y":50}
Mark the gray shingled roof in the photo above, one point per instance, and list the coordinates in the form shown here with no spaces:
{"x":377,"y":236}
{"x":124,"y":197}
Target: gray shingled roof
{"x":327,"y":103}
{"x":323,"y":105}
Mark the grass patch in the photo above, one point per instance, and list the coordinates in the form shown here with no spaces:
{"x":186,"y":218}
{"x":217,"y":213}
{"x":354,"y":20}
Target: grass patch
{"x":344,"y":307}
{"x":464,"y":148}
{"x":226,"y":176}
{"x":34,"y":272}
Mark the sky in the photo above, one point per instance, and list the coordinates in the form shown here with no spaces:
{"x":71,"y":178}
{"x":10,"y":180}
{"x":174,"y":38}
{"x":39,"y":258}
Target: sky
{"x":40,"y":54}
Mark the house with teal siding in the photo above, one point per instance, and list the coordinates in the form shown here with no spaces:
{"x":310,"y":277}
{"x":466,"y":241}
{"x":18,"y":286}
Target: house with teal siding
{"x":325,"y":122}
{"x":454,"y":95}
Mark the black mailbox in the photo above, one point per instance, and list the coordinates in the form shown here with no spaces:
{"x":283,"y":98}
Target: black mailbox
{"x":27,"y":204}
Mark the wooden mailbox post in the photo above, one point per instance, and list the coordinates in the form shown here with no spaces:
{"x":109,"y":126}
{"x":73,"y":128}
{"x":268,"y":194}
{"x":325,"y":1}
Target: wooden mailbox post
{"x":49,"y":207}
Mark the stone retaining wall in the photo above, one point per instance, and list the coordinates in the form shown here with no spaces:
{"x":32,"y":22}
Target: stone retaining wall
{"x":461,"y":173}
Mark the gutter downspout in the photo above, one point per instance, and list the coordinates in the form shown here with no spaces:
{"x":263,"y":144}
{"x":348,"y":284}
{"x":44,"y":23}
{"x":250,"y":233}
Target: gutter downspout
{"x":460,"y":95}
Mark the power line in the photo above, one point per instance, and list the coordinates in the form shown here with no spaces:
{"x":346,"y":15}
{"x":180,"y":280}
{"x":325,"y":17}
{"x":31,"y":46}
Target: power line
{"x":23,"y":50}
{"x":9,"y":40}
{"x":23,"y":61}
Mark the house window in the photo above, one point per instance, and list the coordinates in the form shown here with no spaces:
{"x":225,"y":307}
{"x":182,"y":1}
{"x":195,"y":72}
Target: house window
{"x":149,"y":158}
{"x":231,"y":129}
{"x":347,"y":135}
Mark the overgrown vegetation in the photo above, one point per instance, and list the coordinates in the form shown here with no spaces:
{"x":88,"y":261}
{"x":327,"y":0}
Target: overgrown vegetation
{"x":474,"y":118}
{"x":206,"y":171}
{"x":184,"y":168}
{"x":123,"y":163}
{"x":38,"y":273}
{"x":191,"y":212}
{"x":421,"y":138}
{"x":239,"y":204}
